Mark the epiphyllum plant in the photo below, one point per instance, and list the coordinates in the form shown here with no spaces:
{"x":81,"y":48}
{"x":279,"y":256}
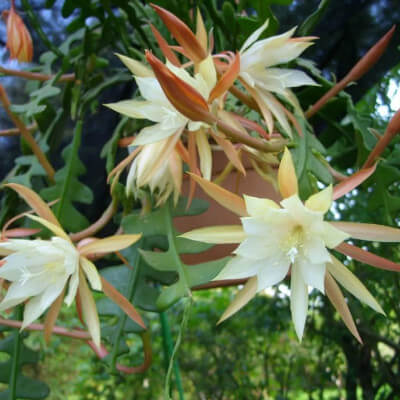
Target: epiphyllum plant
{"x":275,"y":240}
{"x":40,"y":270}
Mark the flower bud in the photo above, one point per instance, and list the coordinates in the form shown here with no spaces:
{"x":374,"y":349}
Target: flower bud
{"x":19,"y":41}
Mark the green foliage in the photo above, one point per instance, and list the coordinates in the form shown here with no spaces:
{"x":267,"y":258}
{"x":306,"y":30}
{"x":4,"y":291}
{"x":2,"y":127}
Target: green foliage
{"x":19,"y":355}
{"x":68,"y":189}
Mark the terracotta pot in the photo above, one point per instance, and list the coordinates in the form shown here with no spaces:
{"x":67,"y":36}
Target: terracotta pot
{"x":251,"y":184}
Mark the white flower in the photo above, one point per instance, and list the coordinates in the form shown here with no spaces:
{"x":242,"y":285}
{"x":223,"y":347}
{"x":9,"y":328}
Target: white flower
{"x":39,"y":271}
{"x":157,"y":108}
{"x":279,"y":238}
{"x":257,"y":61}
{"x":159,"y":166}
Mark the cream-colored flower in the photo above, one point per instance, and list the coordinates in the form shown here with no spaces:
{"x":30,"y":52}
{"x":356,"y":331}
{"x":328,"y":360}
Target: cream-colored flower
{"x":157,"y":108}
{"x":258,"y":61}
{"x":158,"y":166}
{"x":293,"y":236}
{"x":39,"y":270}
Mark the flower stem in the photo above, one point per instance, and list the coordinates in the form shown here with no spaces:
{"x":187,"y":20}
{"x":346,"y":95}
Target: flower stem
{"x":27,"y":135}
{"x":35,"y":76}
{"x":12,"y":386}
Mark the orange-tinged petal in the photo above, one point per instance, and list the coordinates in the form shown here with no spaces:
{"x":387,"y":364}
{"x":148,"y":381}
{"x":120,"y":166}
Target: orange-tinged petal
{"x":109,"y":244}
{"x":124,"y":163}
{"x":372,"y":232}
{"x":336,"y":297}
{"x":182,"y":33}
{"x":35,"y":202}
{"x":222,"y":196}
{"x":226,"y":80}
{"x":220,"y":234}
{"x":287,"y":179}
{"x":230,"y":151}
{"x":352,"y":182}
{"x":53,"y":228}
{"x":51,"y":316}
{"x":20,"y":232}
{"x":201,"y":33}
{"x":111,"y":292}
{"x":192,"y":166}
{"x":89,"y":311}
{"x":366,"y":257}
{"x":166,"y":50}
{"x":351,"y":283}
{"x":183,"y":97}
{"x":241,"y":299}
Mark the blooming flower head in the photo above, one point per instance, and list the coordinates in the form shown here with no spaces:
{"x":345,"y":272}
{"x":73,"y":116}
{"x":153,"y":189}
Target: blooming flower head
{"x":258,"y":61}
{"x":293,"y":237}
{"x":40,"y":270}
{"x":19,"y":41}
{"x":158,"y":166}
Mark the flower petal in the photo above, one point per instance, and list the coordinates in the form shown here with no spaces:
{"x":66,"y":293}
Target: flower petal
{"x":336,"y":297}
{"x":298,"y":301}
{"x":351,"y":283}
{"x":287,"y":179}
{"x":89,"y":311}
{"x":53,"y":228}
{"x":217,"y":234}
{"x":35,"y":202}
{"x":241,"y":299}
{"x":257,"y":207}
{"x":270,"y":272}
{"x":320,"y":201}
{"x":254,"y":36}
{"x":222,"y":196}
{"x":312,"y":274}
{"x":204,"y":149}
{"x":237,"y":268}
{"x":372,"y":232}
{"x":36,"y":306}
{"x":136,"y":67}
{"x":109,"y":244}
{"x":91,"y":273}
{"x":332,"y":236}
{"x":72,"y":287}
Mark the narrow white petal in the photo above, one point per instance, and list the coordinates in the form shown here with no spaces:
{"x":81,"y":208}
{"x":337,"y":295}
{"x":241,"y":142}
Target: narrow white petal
{"x":298,"y":301}
{"x":89,"y":311}
{"x":237,"y":268}
{"x":332,"y":236}
{"x":204,"y":149}
{"x":257,"y":248}
{"x":254,"y":36}
{"x":39,"y":304}
{"x":312,"y":274}
{"x":320,"y":201}
{"x":299,"y":212}
{"x":154,"y":133}
{"x":271,"y":272}
{"x":91,"y":273}
{"x":72,"y":288}
{"x":217,"y":234}
{"x":314,"y":249}
{"x":257,"y":207}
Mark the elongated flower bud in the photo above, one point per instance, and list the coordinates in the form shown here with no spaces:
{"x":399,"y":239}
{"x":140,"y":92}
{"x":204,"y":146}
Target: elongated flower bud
{"x":183,"y":97}
{"x":19,"y":41}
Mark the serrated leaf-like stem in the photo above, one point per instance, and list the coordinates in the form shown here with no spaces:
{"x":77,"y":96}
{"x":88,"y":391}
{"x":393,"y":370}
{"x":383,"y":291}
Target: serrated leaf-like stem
{"x":166,"y":210}
{"x":15,"y":360}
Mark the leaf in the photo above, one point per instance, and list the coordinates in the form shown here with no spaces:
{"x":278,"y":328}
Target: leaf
{"x":313,"y":19}
{"x":309,"y":161}
{"x":68,"y":189}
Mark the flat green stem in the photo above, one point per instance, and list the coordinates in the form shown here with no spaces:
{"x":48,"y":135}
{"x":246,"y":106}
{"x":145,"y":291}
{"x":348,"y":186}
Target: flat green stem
{"x":15,"y":359}
{"x":133,"y":275}
{"x":172,"y":245}
{"x":168,"y":350}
